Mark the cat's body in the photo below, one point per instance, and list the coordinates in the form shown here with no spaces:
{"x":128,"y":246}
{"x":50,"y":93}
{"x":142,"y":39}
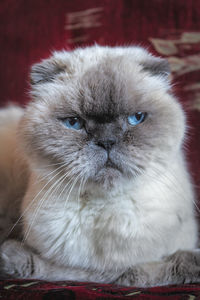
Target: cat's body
{"x":104,"y":201}
{"x":121,"y":228}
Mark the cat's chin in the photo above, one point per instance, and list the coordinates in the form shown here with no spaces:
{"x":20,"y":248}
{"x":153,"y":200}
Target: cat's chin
{"x":108,"y":177}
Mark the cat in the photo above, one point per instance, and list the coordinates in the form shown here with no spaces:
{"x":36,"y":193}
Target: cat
{"x":93,"y":179}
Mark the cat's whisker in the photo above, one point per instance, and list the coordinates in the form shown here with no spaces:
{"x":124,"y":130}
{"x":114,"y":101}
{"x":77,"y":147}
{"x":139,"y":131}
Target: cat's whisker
{"x":40,"y":178}
{"x":176,"y":191}
{"x":80,"y":187}
{"x":160,"y":174}
{"x":71,"y":189}
{"x":173,"y":184}
{"x":133,"y":168}
{"x":56,"y":242}
{"x":157,"y":178}
{"x":31,"y":203}
{"x":47,"y":194}
{"x":39,"y":205}
{"x":51,"y":165}
{"x":68,"y":174}
{"x":64,"y":188}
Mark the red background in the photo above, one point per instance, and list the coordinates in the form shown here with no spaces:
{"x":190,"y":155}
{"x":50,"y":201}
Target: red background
{"x":31,"y":29}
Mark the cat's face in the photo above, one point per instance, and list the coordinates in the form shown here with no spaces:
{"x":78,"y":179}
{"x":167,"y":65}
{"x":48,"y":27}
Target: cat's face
{"x":102,"y":113}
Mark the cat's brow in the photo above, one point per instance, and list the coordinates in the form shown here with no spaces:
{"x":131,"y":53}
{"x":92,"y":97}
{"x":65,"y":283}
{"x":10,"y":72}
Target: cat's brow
{"x":102,"y":118}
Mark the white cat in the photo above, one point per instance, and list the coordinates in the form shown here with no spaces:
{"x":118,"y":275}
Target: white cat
{"x":94,"y":168}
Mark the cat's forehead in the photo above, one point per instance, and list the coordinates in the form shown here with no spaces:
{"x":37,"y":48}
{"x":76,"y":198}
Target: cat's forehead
{"x":104,"y":92}
{"x":99,"y":81}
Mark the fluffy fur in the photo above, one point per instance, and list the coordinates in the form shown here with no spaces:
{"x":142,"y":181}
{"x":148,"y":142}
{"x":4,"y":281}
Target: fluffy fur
{"x":124,"y":214}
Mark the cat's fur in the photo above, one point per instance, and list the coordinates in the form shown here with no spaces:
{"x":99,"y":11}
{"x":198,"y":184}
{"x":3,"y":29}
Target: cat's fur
{"x":128,"y":221}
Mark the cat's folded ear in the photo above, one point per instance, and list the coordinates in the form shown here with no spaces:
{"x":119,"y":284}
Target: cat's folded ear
{"x":46,"y":71}
{"x":156,"y":66}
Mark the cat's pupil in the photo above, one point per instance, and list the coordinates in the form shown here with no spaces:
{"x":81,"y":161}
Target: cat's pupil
{"x":138,"y":116}
{"x":73,"y":121}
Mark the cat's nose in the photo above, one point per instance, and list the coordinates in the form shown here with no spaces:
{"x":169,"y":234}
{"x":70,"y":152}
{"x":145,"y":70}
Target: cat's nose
{"x":106,"y":143}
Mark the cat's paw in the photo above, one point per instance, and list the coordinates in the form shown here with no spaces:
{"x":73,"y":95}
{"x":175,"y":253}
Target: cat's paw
{"x":178,"y":268}
{"x":184,"y":266}
{"x":15,"y":260}
{"x":135,"y":276}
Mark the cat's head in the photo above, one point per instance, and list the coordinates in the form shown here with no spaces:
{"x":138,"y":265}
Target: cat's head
{"x":101,"y":113}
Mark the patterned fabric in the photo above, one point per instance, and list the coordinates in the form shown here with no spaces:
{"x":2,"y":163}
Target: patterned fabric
{"x":42,"y":290}
{"x":30,"y":30}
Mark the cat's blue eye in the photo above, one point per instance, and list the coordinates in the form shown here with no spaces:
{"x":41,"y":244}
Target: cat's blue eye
{"x":73,"y":123}
{"x":137,"y":118}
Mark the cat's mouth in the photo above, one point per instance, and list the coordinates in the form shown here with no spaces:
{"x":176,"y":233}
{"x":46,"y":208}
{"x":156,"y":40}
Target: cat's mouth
{"x":107,"y":169}
{"x":110,"y":164}
{"x":107,"y":174}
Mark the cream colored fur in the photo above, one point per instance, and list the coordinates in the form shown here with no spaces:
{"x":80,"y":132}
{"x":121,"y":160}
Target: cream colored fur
{"x":139,"y":221}
{"x":116,"y":230}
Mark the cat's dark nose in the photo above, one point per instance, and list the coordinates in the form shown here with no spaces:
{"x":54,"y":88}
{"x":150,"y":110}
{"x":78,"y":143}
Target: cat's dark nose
{"x":106,"y":143}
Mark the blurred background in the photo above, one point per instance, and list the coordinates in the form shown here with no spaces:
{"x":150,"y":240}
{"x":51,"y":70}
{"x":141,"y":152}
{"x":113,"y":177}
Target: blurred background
{"x":31,"y":29}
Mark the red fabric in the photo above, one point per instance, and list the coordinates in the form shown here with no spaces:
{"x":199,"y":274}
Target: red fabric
{"x":43,"y":290}
{"x":30,"y":30}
